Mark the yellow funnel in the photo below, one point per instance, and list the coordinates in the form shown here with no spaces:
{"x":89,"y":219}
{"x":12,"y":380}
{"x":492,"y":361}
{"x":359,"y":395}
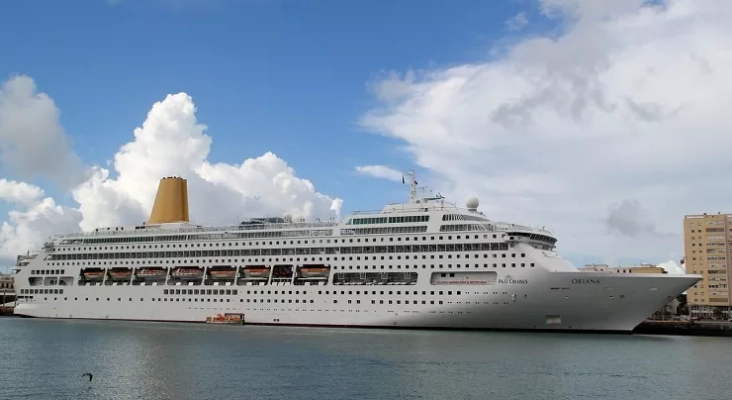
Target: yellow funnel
{"x":171,"y":202}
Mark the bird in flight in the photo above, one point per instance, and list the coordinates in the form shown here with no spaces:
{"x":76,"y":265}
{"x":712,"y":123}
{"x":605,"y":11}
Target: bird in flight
{"x":89,"y":375}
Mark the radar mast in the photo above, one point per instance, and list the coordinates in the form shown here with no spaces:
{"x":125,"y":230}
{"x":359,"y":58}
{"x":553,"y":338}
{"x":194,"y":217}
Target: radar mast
{"x":412,"y":187}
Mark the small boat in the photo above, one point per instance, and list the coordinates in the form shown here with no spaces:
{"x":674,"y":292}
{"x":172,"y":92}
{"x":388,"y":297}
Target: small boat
{"x":120,"y":275}
{"x":151,"y":273}
{"x":93,"y":275}
{"x":222,"y":274}
{"x":256,"y":272}
{"x":226,"y":319}
{"x":188,"y":273}
{"x":313,"y":271}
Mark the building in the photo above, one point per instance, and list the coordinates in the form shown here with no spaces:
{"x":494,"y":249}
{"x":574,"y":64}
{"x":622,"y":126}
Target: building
{"x":706,"y":241}
{"x":7,"y":292}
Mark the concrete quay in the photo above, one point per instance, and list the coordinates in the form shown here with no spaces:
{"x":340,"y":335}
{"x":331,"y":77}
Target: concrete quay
{"x":685,"y":328}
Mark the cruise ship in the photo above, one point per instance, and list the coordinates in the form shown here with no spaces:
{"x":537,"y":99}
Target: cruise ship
{"x":423,"y":263}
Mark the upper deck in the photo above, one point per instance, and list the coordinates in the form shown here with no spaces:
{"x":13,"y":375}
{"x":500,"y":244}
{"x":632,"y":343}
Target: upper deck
{"x":420,"y":214}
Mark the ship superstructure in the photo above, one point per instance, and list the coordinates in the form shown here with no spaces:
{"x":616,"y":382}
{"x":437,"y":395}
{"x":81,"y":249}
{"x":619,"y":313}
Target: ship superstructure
{"x":425,"y":263}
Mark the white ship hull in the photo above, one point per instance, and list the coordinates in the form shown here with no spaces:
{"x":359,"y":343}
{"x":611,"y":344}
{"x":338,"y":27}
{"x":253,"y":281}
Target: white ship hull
{"x":582,"y":307}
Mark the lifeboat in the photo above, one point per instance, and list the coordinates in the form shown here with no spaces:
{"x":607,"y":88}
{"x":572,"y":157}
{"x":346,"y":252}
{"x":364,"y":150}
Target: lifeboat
{"x":314,"y":271}
{"x":188,"y":273}
{"x":256,"y":272}
{"x":93,"y":275}
{"x":120,"y":275}
{"x":223,"y":274}
{"x":151,"y":273}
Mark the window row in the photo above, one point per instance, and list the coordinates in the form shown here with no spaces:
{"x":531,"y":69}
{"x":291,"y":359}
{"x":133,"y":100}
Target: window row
{"x":277,"y":242}
{"x":417,"y":248}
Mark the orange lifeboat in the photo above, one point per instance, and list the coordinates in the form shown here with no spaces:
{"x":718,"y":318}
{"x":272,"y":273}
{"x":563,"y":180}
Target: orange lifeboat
{"x":223,"y":274}
{"x":120,"y":275}
{"x":93,"y":275}
{"x":256,"y":272}
{"x":314,"y":271}
{"x":187,"y":273}
{"x":151,"y":273}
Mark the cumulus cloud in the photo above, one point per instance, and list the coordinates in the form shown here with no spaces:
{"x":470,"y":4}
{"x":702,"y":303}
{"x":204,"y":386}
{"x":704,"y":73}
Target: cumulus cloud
{"x":380,"y":171}
{"x":628,"y":101}
{"x":19,"y":192}
{"x":34,"y":219}
{"x":32,"y":142}
{"x":170,"y":142}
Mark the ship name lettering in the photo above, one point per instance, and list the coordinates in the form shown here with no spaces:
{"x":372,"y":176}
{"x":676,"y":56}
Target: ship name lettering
{"x":583,"y":281}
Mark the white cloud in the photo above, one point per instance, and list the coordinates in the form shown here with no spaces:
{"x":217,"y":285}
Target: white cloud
{"x":32,"y":142}
{"x":170,"y":142}
{"x":33,"y":221}
{"x":380,"y":171}
{"x":673,"y":268}
{"x":517,"y":22}
{"x":628,"y":103}
{"x":19,"y":192}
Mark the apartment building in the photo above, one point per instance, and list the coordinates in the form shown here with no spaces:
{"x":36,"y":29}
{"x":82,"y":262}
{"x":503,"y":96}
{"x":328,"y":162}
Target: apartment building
{"x":707,"y":238}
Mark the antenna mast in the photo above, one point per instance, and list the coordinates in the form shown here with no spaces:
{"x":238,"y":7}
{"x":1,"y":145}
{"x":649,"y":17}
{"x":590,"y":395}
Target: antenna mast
{"x":412,"y":187}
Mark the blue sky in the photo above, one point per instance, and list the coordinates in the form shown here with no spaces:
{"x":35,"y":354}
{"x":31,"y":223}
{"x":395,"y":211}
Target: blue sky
{"x":286,"y":76}
{"x":296,"y":77}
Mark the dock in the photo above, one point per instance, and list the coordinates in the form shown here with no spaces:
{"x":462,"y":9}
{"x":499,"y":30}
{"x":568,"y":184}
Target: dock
{"x":685,"y":328}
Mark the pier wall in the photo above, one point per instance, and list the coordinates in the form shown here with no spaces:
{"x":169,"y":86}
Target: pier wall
{"x":685,"y":328}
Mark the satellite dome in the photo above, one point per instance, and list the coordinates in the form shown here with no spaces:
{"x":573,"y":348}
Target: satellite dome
{"x":472,"y":203}
{"x":299,"y":218}
{"x":287,"y":217}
